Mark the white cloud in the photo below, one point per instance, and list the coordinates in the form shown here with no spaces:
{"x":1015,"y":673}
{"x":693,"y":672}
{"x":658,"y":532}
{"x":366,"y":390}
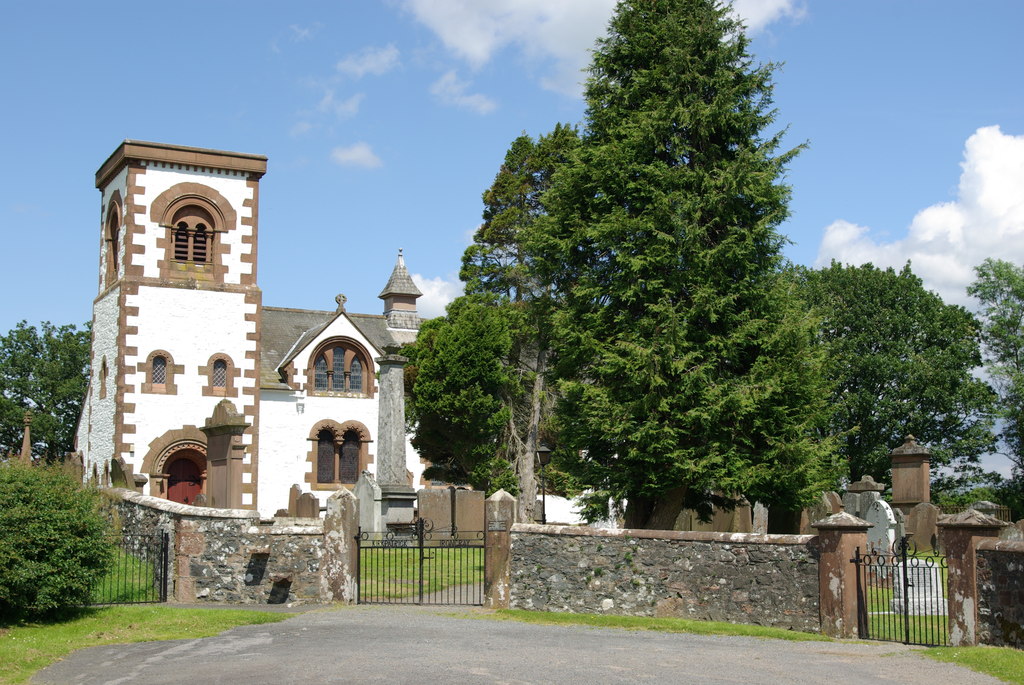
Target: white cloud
{"x":374,"y":61}
{"x":358,"y":154}
{"x":342,"y":109}
{"x":437,"y":293}
{"x":449,"y":90}
{"x":300,"y":128}
{"x":562,"y":31}
{"x":304,"y":33}
{"x":947,"y":240}
{"x":757,"y":14}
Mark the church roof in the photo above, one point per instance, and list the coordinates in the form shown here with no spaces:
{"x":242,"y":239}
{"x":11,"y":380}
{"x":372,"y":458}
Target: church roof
{"x":287,"y":331}
{"x":401,"y":282}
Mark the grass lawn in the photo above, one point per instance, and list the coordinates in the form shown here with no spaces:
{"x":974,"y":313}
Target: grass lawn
{"x":26,"y":648}
{"x":129,"y":580}
{"x":1004,"y":663}
{"x":393,"y":573}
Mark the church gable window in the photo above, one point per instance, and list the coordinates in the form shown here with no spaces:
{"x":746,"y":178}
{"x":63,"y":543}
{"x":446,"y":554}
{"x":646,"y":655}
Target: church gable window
{"x":338,"y":369}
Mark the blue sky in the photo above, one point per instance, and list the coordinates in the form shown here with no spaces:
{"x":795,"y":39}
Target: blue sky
{"x":385,"y":121}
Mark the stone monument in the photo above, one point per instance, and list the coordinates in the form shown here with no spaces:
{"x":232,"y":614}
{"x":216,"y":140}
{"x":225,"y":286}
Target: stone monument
{"x":882,"y":533}
{"x":369,"y":495}
{"x":860,"y":495}
{"x":398,"y":498}
{"x":911,"y":475}
{"x":224,"y":454}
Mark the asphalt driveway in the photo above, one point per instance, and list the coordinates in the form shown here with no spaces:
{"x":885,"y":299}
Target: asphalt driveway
{"x":430,"y":646}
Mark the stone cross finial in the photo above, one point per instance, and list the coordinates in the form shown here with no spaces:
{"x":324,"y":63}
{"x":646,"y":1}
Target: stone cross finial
{"x":341,"y":300}
{"x":26,"y":443}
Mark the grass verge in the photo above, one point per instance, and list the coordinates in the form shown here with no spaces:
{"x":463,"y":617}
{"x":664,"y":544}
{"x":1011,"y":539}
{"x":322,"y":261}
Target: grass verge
{"x":665,"y":625}
{"x":26,"y":648}
{"x":1005,"y":663}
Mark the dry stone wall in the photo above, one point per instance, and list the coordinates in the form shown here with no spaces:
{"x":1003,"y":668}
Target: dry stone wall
{"x":1000,"y":578}
{"x":767,"y":580}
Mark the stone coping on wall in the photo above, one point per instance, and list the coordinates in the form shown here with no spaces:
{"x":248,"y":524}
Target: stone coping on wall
{"x":685,"y":535}
{"x":997,"y":545}
{"x":288,"y":530}
{"x":170,"y":507}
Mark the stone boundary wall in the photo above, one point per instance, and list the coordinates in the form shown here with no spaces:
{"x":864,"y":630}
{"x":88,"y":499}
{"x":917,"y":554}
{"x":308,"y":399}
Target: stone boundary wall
{"x":228,"y":555}
{"x":769,"y":580}
{"x":1000,"y":593}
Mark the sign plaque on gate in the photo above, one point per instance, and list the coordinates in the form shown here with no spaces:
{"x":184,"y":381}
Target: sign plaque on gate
{"x":499,"y":526}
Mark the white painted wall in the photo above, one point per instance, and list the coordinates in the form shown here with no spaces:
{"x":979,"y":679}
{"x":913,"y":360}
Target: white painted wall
{"x":231,"y":184}
{"x":191,"y":325}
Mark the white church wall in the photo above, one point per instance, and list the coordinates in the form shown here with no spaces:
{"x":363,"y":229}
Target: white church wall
{"x":231,"y":184}
{"x":96,"y":428}
{"x":191,"y":325}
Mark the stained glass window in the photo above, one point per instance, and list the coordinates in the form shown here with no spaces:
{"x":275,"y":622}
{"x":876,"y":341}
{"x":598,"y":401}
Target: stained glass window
{"x":325,"y":457}
{"x":355,"y":376}
{"x":349,"y":463}
{"x":338,"y":379}
{"x":320,"y":374}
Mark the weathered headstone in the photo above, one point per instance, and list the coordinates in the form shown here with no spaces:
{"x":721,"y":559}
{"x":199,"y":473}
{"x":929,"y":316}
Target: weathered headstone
{"x":307,"y":506}
{"x":835,"y":502}
{"x":368,"y":493}
{"x":860,"y":495}
{"x":924,"y":594}
{"x":820,"y":509}
{"x":882,"y":533}
{"x":293,"y":500}
{"x":921,"y":525}
{"x":439,"y":505}
{"x":760,"y":519}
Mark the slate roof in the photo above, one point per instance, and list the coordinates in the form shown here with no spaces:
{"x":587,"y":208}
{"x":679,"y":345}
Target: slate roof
{"x":287,"y":331}
{"x":401,"y":282}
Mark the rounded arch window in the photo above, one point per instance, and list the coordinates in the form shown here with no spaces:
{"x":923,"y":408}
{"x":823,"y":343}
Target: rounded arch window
{"x":193,"y":228}
{"x":339,"y":366}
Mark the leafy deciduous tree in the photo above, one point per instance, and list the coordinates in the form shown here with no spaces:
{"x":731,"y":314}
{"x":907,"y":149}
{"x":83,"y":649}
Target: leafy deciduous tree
{"x":900,"y":361}
{"x":45,"y":370}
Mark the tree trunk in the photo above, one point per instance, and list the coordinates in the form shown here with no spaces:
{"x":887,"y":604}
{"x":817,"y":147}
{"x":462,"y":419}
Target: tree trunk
{"x":527,"y":454}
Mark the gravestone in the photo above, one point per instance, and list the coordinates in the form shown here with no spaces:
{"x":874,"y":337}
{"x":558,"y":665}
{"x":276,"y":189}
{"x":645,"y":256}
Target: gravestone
{"x":882,"y":533}
{"x":368,"y":493}
{"x":759,"y":523}
{"x":438,"y":505}
{"x":921,"y":525}
{"x":307,"y":506}
{"x":820,"y":509}
{"x":860,"y":495}
{"x":293,"y":500}
{"x":924,"y":596}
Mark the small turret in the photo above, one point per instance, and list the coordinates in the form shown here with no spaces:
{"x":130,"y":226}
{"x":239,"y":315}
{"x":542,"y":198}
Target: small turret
{"x":400,"y":295}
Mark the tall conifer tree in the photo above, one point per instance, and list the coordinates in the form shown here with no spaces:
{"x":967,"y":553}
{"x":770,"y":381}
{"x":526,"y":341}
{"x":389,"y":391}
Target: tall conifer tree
{"x":685,"y":368}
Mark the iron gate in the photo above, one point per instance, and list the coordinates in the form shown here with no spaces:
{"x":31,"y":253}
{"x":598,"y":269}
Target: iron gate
{"x":901,"y":595}
{"x":139,"y":572}
{"x":418,"y":564}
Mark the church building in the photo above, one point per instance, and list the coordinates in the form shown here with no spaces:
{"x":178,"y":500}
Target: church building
{"x":179,"y":326}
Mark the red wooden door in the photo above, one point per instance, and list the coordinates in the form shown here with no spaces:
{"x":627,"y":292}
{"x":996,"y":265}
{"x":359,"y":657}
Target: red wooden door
{"x":184,"y":482}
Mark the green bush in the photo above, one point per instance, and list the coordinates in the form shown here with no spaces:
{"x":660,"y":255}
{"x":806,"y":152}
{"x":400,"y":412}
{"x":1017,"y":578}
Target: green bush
{"x":54,"y":543}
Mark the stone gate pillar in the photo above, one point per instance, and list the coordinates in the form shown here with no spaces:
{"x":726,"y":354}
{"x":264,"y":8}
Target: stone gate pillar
{"x":958,"y":536}
{"x":499,"y":515}
{"x":338,"y":579}
{"x":224,"y":455}
{"x":839,"y":536}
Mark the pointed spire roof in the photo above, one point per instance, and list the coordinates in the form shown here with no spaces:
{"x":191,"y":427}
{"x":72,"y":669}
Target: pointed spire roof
{"x":401,"y":282}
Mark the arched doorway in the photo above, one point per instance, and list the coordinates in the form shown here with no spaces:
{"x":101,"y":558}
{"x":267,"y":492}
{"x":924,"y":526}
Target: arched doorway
{"x":185,"y":476}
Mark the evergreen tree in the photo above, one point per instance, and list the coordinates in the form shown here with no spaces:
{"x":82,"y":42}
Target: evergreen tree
{"x":685,"y":365}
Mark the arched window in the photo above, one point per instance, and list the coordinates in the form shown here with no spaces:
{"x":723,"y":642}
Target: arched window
{"x":193,"y":231}
{"x":113,"y":249}
{"x":159,"y":370}
{"x":348,"y":463}
{"x":325,"y":456}
{"x":339,"y":366}
{"x":355,"y":376}
{"x":103,"y":378}
{"x":220,"y":373}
